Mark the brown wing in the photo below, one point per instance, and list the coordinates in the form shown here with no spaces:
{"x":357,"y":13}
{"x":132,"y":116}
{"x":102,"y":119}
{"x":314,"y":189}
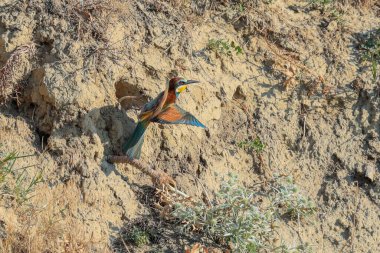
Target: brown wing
{"x":152,"y":108}
{"x":174,"y":114}
{"x":161,"y":102}
{"x":170,"y":114}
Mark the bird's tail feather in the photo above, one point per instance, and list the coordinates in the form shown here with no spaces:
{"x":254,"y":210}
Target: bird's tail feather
{"x":132,"y":147}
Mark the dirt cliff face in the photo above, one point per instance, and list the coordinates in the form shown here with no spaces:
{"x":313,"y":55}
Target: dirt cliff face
{"x":298,"y":85}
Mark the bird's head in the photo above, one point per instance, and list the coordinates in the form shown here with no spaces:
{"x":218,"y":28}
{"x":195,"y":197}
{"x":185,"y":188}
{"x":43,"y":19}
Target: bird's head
{"x":179,"y":84}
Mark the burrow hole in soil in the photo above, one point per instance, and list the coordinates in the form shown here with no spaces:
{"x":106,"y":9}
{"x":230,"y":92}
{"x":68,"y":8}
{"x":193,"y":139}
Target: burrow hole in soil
{"x":130,"y":96}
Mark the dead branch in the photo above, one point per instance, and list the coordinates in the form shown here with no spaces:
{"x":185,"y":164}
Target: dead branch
{"x":166,"y":193}
{"x":128,"y":97}
{"x":158,"y":177}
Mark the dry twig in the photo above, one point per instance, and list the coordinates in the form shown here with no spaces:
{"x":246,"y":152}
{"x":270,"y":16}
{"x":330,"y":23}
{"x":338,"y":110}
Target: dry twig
{"x":159,"y":178}
{"x":167,"y":194}
{"x":9,"y":70}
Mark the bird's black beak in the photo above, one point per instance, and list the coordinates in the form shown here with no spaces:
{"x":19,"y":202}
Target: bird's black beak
{"x":191,"y":81}
{"x":183,"y":86}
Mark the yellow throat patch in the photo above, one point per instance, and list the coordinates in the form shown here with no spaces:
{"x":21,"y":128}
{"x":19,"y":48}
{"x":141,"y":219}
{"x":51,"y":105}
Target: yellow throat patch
{"x":182,"y":88}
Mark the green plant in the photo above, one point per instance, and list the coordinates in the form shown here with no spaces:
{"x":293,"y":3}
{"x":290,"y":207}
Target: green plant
{"x":138,"y":236}
{"x":370,"y":51}
{"x":14,"y":182}
{"x":287,"y":199}
{"x":224,"y":47}
{"x":325,"y":6}
{"x":268,"y":1}
{"x":337,"y":16}
{"x":255,"y":145}
{"x":23,"y":189}
{"x":6,"y":164}
{"x":302,"y":248}
{"x":237,"y":219}
{"x":321,"y":3}
{"x":241,"y":7}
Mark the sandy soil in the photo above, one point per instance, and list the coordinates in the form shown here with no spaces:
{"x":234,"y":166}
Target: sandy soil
{"x":299,"y":86}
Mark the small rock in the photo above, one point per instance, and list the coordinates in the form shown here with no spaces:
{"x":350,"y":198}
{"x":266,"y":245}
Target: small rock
{"x":341,"y":174}
{"x":240,"y":92}
{"x":360,"y":170}
{"x":374,"y":146}
{"x":370,"y":173}
{"x":333,"y":25}
{"x":342,"y":222}
{"x":228,"y":15}
{"x":157,"y":31}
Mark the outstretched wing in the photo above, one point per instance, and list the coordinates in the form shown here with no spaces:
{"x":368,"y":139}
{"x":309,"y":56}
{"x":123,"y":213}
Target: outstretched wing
{"x":174,"y":114}
{"x":152,"y":108}
{"x":151,"y":105}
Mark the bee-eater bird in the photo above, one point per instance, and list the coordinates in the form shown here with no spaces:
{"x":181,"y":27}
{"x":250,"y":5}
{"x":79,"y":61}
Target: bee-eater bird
{"x":164,"y":110}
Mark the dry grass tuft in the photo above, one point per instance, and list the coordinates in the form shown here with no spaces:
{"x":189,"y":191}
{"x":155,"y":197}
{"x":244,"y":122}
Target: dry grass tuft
{"x":360,"y":3}
{"x":9,"y":77}
{"x":46,"y":224}
{"x":87,"y":19}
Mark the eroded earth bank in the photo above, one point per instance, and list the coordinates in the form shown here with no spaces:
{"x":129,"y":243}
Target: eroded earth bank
{"x":295,"y":94}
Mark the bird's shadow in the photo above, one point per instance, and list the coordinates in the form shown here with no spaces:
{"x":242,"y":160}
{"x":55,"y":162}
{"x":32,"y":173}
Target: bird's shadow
{"x":112,"y":126}
{"x":113,"y":123}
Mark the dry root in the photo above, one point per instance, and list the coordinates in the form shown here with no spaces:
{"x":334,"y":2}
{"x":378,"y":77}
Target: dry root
{"x":160,"y":179}
{"x":166,"y":192}
{"x":8,"y":73}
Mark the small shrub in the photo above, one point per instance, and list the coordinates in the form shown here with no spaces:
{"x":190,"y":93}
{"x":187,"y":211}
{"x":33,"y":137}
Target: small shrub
{"x":302,"y":248}
{"x":370,"y":51}
{"x":287,"y":199}
{"x":237,"y":219}
{"x":224,"y":47}
{"x":255,"y":145}
{"x":138,"y":236}
{"x":321,"y":3}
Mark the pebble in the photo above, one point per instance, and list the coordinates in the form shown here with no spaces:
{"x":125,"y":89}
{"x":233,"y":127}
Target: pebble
{"x":333,"y":25}
{"x":370,"y":173}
